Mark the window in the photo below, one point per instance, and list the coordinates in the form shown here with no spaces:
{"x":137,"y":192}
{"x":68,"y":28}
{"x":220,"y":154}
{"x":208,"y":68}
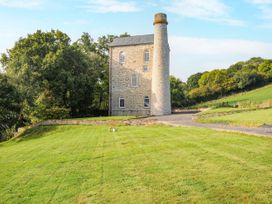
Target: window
{"x":134,"y":80}
{"x":146,"y":102}
{"x":146,"y":56}
{"x":121,"y":102}
{"x":121,"y":57}
{"x":145,"y":68}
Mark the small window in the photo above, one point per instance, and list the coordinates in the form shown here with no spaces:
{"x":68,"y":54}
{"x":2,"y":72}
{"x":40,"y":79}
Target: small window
{"x":146,"y":102}
{"x":145,"y":68}
{"x":134,"y":80}
{"x":121,"y":102}
{"x":146,"y":56}
{"x":121,"y":57}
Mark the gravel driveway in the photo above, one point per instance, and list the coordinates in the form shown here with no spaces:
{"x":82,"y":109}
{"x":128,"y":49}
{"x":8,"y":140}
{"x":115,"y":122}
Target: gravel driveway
{"x":186,"y":119}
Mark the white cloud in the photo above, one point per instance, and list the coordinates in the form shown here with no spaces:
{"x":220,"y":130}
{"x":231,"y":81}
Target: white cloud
{"x":21,"y":3}
{"x":260,"y":2}
{"x":111,"y":6}
{"x":192,"y":55}
{"x":265,"y":7}
{"x":211,"y":10}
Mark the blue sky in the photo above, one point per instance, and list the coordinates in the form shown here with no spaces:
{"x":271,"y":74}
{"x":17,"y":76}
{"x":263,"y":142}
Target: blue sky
{"x":203,"y":35}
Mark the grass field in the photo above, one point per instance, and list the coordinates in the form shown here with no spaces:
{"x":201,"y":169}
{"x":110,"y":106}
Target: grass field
{"x":254,"y":118}
{"x":257,"y":95}
{"x":154,"y":164}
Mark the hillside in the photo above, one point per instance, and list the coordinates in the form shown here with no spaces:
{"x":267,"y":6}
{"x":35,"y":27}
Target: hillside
{"x":255,"y":96}
{"x":154,"y":164}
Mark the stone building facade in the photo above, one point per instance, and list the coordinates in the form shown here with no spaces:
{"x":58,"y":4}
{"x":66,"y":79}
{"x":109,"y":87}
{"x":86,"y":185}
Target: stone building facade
{"x":132,"y":60}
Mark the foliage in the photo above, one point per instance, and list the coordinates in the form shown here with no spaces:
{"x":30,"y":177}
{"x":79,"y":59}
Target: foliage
{"x":259,"y":96}
{"x":54,"y":75}
{"x":239,"y":77}
{"x":9,"y":107}
{"x":192,"y":81}
{"x":178,"y":92}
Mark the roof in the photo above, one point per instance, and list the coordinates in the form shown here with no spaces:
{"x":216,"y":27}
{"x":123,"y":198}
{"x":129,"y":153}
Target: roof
{"x":133,"y":40}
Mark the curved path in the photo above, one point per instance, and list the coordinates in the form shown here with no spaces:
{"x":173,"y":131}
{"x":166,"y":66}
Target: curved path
{"x":186,"y":119}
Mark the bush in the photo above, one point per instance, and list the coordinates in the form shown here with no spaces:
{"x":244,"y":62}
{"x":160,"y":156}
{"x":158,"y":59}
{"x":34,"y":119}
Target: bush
{"x":51,"y":113}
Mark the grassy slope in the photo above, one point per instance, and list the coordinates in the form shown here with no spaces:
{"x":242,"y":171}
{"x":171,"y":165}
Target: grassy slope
{"x":256,"y":95}
{"x":249,"y":119}
{"x":89,"y":164}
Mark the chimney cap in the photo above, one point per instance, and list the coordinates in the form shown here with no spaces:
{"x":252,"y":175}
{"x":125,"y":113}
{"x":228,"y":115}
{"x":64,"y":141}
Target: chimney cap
{"x":160,"y":18}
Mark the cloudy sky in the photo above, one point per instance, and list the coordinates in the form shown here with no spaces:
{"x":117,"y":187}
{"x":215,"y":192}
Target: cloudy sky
{"x":203,"y":35}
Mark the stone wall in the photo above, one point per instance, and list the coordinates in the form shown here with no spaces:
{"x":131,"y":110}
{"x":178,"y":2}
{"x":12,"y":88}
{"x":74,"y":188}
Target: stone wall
{"x":120,"y":80}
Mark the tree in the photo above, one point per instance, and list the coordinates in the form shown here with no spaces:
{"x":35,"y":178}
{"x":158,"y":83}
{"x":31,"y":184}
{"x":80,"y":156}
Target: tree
{"x":45,"y":63}
{"x":248,"y":77}
{"x":178,"y":93}
{"x":10,"y":107}
{"x":192,"y":81}
{"x":266,"y":69}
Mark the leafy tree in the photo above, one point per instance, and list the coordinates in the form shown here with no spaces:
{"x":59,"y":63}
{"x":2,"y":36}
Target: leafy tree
{"x":178,"y":92}
{"x":192,"y":81}
{"x":247,"y":77}
{"x":46,"y":63}
{"x":10,"y":107}
{"x":266,"y":69}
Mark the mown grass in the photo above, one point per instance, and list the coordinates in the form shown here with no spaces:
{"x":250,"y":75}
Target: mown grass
{"x":257,"y":95}
{"x":254,"y":118}
{"x":155,"y":164}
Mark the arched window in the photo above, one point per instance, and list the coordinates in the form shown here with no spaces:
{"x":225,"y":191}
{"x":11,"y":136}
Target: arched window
{"x":121,"y":57}
{"x":146,"y":102}
{"x":146,"y":56}
{"x":134,"y":80}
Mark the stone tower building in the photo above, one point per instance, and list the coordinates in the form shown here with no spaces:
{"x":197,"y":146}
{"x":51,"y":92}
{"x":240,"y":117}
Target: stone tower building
{"x":139,"y":73}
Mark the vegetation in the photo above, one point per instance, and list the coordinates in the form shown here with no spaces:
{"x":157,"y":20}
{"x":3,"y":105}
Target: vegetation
{"x":253,"y":118}
{"x":55,"y":78}
{"x":155,"y":164}
{"x":178,"y":93}
{"x":240,"y":77}
{"x":256,"y":96}
{"x":9,"y":108}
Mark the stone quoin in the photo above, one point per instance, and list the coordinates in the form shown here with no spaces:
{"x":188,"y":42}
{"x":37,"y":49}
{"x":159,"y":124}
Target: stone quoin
{"x":139,"y":73}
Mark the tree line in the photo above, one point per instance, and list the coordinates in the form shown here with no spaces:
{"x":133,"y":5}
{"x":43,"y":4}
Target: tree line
{"x":201,"y":87}
{"x":46,"y":76}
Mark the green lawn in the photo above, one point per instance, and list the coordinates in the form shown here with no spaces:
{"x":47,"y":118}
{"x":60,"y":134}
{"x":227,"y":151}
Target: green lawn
{"x":257,"y":95}
{"x":249,"y":119}
{"x":154,"y":164}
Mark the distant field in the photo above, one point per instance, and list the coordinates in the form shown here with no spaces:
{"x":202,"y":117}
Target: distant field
{"x":257,"y":95}
{"x":254,"y":118}
{"x":154,"y":164}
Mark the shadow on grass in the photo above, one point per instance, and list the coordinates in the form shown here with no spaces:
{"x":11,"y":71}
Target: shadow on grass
{"x":35,"y":133}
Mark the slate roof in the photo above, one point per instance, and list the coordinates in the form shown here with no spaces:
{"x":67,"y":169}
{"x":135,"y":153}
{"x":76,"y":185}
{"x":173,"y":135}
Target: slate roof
{"x":133,"y":40}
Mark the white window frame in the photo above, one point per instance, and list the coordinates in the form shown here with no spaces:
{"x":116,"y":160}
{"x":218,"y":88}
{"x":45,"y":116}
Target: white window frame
{"x":148,"y":98}
{"x":122,"y":98}
{"x":122,"y":57}
{"x":146,"y":56}
{"x":137,"y":80}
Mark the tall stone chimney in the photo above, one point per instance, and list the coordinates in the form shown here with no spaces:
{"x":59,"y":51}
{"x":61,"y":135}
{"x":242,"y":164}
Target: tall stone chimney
{"x":160,"y":98}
